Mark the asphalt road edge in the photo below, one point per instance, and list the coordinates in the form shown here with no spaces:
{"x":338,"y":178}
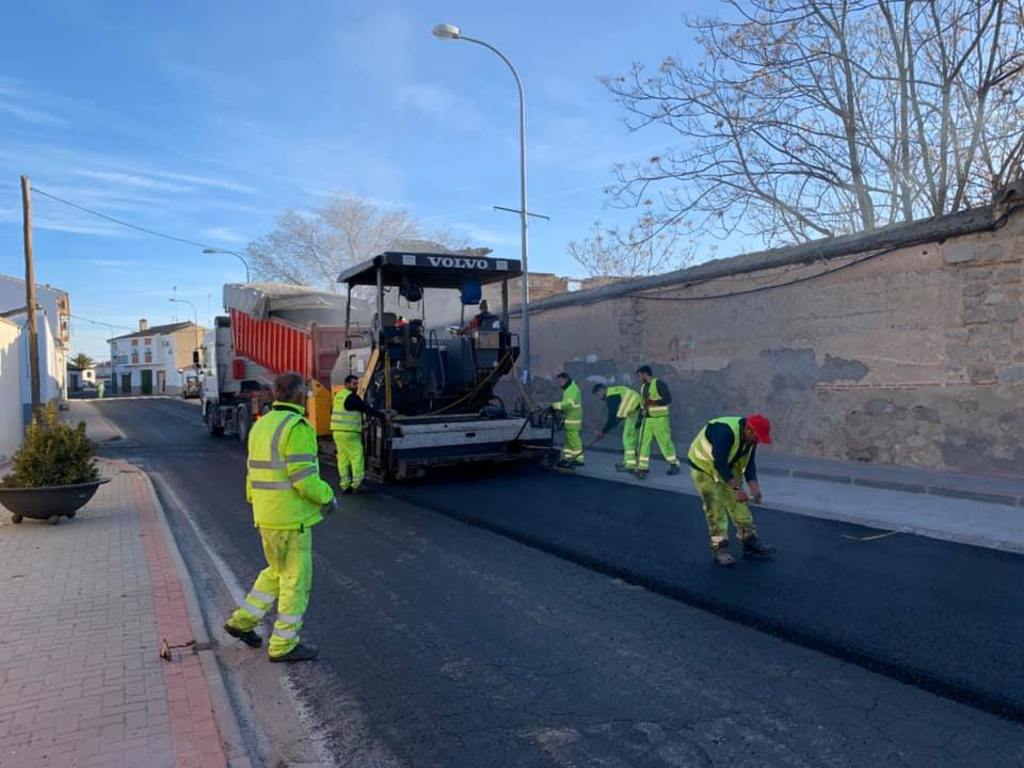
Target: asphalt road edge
{"x":956,"y":537}
{"x":909,"y":675}
{"x":227,"y":720}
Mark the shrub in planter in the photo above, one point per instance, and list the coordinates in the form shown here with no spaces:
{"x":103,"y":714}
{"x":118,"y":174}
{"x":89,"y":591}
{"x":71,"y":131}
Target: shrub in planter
{"x":54,"y":453}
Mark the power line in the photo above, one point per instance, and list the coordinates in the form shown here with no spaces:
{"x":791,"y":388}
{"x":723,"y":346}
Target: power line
{"x":123,"y":223}
{"x":639,"y":294}
{"x":100,"y":322}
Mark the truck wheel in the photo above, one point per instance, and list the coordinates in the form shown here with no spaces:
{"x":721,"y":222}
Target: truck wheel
{"x":212,"y":426}
{"x":243,"y":423}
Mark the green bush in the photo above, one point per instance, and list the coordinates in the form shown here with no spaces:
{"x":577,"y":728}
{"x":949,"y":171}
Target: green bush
{"x":54,"y":453}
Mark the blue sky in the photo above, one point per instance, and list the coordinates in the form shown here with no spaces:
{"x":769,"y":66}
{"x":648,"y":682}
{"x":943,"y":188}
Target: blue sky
{"x":205,"y":120}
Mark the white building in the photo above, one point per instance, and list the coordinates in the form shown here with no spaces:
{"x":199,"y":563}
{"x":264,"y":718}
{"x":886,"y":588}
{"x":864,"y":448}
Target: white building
{"x":150,"y":361}
{"x":80,"y":379}
{"x":53,"y":323}
{"x":12,"y":424}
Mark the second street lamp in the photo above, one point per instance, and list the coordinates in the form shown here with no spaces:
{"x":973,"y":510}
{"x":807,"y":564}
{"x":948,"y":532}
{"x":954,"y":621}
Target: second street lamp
{"x":452,"y":32}
{"x":236,"y":255}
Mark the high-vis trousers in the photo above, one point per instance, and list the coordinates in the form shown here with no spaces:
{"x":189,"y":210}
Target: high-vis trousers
{"x":287,"y":579}
{"x":351,"y":464}
{"x":720,"y":506}
{"x":629,"y":441}
{"x":572,"y":449}
{"x":656,"y":428}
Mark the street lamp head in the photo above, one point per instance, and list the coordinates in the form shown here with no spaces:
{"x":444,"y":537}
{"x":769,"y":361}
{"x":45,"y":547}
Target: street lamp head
{"x":211,"y":250}
{"x":446,"y":32}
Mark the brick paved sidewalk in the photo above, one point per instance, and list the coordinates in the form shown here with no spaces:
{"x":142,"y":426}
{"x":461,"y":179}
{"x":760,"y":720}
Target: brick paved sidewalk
{"x":86,"y":605}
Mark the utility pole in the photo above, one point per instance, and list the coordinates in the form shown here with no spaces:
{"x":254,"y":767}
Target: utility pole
{"x":30,"y":293}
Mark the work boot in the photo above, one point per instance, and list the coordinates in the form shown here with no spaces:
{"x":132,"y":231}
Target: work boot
{"x":673,"y":469}
{"x":357,"y":489}
{"x":641,"y":474}
{"x":624,"y":468}
{"x":753,"y":547}
{"x":300,"y":652}
{"x":723,"y":556}
{"x":346,"y":491}
{"x":247,"y":636}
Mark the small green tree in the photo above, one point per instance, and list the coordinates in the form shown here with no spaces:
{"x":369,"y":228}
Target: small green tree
{"x":54,"y":453}
{"x":82,"y":360}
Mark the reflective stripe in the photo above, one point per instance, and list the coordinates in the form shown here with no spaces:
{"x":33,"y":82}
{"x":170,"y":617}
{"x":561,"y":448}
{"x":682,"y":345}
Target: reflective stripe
{"x":270,"y":485}
{"x":257,"y":464}
{"x":573,"y":423}
{"x":261,"y":596}
{"x":297,"y":457}
{"x":252,"y":610}
{"x":289,"y":618}
{"x":287,"y":634}
{"x":343,"y":420}
{"x":275,"y":452}
{"x":302,"y":473}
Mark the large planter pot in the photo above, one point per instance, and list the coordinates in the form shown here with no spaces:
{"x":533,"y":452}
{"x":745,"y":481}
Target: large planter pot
{"x":49,"y":503}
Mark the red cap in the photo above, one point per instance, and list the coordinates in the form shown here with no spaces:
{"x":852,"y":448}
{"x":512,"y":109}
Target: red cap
{"x":761,"y":426}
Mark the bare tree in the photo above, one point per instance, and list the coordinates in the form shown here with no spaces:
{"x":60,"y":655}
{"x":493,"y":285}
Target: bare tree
{"x":811,"y":118}
{"x":312,"y":248}
{"x":647,"y":248}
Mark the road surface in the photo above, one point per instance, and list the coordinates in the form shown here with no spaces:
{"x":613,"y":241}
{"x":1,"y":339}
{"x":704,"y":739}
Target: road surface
{"x":446,"y":644}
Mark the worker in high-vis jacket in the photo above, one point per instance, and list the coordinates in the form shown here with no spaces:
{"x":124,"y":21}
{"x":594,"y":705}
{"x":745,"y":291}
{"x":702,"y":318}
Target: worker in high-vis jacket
{"x":623,"y":405}
{"x":721,"y":457}
{"x":571,"y":406}
{"x":288,"y":498}
{"x":347,"y":429}
{"x":656,"y":425}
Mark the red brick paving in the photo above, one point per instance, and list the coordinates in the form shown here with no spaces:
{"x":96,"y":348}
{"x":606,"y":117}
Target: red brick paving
{"x":85,"y":607}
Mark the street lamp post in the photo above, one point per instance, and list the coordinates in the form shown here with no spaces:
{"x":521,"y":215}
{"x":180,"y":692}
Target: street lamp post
{"x":195,"y":315}
{"x":236,"y":255}
{"x":451,"y":32}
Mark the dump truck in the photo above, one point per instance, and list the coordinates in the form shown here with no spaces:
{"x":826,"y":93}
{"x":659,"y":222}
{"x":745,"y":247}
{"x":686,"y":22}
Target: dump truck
{"x":270,"y":328}
{"x":437,"y":382}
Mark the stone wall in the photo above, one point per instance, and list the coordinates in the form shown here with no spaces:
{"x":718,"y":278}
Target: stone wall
{"x":543,"y":285}
{"x":902,"y":347}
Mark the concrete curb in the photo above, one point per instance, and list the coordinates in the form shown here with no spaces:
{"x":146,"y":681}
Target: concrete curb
{"x":1006,"y":499}
{"x":227,"y":722}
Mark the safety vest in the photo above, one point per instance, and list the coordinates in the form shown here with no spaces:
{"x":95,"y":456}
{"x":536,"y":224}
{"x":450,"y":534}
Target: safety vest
{"x":650,"y":392}
{"x":285,"y":488}
{"x":571,"y":406}
{"x":702,"y":456}
{"x":343,"y":420}
{"x":630,"y":402}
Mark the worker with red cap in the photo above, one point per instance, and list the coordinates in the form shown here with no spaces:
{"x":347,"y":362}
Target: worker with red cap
{"x":721,"y":458}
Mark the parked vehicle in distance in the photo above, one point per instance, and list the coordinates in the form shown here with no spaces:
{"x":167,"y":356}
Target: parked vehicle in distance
{"x":191,"y":386}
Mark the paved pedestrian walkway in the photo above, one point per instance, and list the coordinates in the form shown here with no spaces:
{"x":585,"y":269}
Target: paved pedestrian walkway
{"x":968,"y":509}
{"x":87,"y":607}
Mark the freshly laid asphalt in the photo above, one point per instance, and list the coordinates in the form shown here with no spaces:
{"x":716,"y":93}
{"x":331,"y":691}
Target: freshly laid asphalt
{"x":948,"y":617}
{"x":443,"y":644}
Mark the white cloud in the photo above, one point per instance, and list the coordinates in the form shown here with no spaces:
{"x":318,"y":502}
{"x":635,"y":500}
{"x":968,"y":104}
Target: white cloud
{"x":440,"y":104}
{"x":31,"y":114}
{"x":109,"y":263}
{"x":205,"y":181}
{"x":478,"y":235}
{"x":225,"y":235}
{"x":132,"y":180}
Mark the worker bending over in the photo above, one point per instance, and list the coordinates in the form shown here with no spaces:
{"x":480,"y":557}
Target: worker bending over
{"x":656,"y":425}
{"x":571,"y":406}
{"x":287,"y":495}
{"x":623,"y":405}
{"x":347,"y":429}
{"x":721,"y":457}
